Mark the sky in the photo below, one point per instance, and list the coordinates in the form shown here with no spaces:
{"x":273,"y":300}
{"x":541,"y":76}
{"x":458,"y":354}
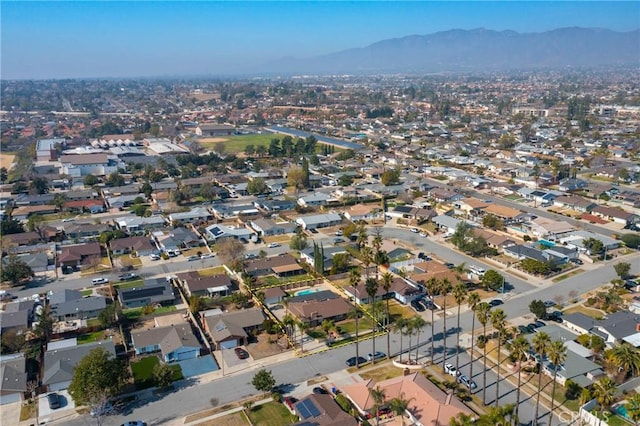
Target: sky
{"x":88,"y":39}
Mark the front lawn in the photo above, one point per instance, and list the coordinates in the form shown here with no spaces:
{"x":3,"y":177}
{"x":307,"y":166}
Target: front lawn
{"x":135,"y":313}
{"x":271,"y":414}
{"x":128,"y":284}
{"x":91,"y":337}
{"x":143,"y":372}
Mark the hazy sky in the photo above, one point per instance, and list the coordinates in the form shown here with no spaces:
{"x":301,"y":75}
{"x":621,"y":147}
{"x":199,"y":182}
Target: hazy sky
{"x":139,"y":38}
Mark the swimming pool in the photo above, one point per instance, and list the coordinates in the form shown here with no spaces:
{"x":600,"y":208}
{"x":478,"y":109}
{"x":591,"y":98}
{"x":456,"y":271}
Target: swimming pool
{"x":308,"y":291}
{"x":621,"y":410}
{"x":546,"y":243}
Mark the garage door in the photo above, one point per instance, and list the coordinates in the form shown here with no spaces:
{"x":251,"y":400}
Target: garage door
{"x":229,"y":344}
{"x":10,"y":398}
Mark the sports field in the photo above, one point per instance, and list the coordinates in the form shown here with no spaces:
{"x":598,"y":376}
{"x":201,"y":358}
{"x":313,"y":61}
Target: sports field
{"x":237,"y":144}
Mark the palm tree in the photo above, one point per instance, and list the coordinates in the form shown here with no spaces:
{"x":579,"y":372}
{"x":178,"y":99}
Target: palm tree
{"x":400,"y":326}
{"x":432,"y":288}
{"x":445,"y":287}
{"x":540,"y":343}
{"x":520,"y":347}
{"x":417,"y":323}
{"x":409,"y":329}
{"x":362,"y":236}
{"x":633,"y":408}
{"x":377,"y":244}
{"x":366,"y":256}
{"x":379,"y":397}
{"x":625,"y":358}
{"x":498,"y":318}
{"x":289,"y":323}
{"x":371,"y":286}
{"x":354,"y":280}
{"x":604,"y":391}
{"x":473,"y":299}
{"x":399,"y":406}
{"x":482,"y":311}
{"x":387,"y":280}
{"x":460,"y":295}
{"x":557,"y":353}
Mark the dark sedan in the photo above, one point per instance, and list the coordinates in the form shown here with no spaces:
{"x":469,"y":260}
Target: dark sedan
{"x":352,"y":361}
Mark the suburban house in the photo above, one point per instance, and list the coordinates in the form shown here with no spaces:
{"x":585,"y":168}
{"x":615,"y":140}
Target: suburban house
{"x":273,"y":295}
{"x":522,"y":251}
{"x":82,"y":206}
{"x":133,"y":225}
{"x":17,"y":316}
{"x":322,"y":410}
{"x":283,"y":266}
{"x":447,"y":224}
{"x":142,"y":246}
{"x":84,"y":230}
{"x":195,"y":284}
{"x":428,"y":404}
{"x":617,"y":327}
{"x":77,"y":255}
{"x":315,"y":199}
{"x":576,"y":239}
{"x":316,"y":307}
{"x":70,"y":304}
{"x":268,"y":227}
{"x":271,"y":206}
{"x":219,"y":231}
{"x":197,"y":214}
{"x":574,"y":202}
{"x":549,"y":229}
{"x":177,"y":238}
{"x":62,"y":356}
{"x":175,"y":342}
{"x":506,"y":214}
{"x":231,"y":329}
{"x":319,"y":221}
{"x":615,"y":214}
{"x":363,"y":212}
{"x":308,"y":255}
{"x":38,"y":262}
{"x":13,"y":376}
{"x":153,"y":291}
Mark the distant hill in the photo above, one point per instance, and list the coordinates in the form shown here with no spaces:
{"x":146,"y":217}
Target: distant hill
{"x":477,"y":50}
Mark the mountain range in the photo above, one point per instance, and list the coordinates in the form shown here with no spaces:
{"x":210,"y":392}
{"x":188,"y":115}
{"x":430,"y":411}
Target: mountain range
{"x":476,"y":50}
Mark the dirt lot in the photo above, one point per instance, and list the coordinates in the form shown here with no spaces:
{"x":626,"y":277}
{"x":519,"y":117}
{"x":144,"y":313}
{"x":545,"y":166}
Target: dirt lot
{"x":234,"y":419}
{"x":263,"y":348}
{"x":6,"y":160}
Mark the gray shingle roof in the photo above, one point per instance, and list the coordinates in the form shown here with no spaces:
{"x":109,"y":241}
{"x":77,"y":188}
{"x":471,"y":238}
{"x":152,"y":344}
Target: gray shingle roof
{"x":59,"y":363}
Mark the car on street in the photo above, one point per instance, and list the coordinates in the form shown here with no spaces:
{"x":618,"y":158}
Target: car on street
{"x":423,"y":234}
{"x":250,"y":256}
{"x":415,"y":304}
{"x":273,"y":245}
{"x":206,"y":256}
{"x":376,"y":355}
{"x":100,"y":280}
{"x":129,"y":276}
{"x":54,"y":400}
{"x":539,"y":324}
{"x":495,"y":302}
{"x":154,"y":256}
{"x":283,"y":388}
{"x":352,"y":361}
{"x":576,"y":261}
{"x":318,"y":390}
{"x":241,"y":353}
{"x":338,"y":240}
{"x":415,"y":230}
{"x":451,"y":370}
{"x":69,"y":219}
{"x":134,"y":423}
{"x":449,"y":265}
{"x":549,"y":303}
{"x":467,"y":382}
{"x":192,"y":258}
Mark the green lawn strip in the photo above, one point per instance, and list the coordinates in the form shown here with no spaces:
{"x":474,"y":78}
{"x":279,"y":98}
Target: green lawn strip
{"x":86,"y":293}
{"x":91,"y":337}
{"x":164,"y":309}
{"x":143,"y":372}
{"x":271,"y":414}
{"x":565,"y":276}
{"x":132,"y":314}
{"x":129,"y":284}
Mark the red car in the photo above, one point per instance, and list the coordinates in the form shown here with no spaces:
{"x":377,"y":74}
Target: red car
{"x":241,"y":353}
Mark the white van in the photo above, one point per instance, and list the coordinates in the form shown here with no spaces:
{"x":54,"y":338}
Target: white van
{"x":101,"y":280}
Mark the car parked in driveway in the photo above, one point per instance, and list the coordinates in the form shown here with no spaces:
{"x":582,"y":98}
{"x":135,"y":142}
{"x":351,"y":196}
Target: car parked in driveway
{"x":352,"y":361}
{"x":241,"y":353}
{"x":318,"y":390}
{"x":54,"y":400}
{"x":154,"y":256}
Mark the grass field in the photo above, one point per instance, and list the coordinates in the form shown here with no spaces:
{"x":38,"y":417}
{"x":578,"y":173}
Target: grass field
{"x":385,"y":372}
{"x":91,"y":337}
{"x":236,"y":144}
{"x":143,"y":372}
{"x":271,"y":414}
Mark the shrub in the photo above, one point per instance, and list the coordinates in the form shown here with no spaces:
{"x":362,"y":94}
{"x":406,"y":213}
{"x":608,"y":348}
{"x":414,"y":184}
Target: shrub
{"x":277,"y":397}
{"x":343,"y":402}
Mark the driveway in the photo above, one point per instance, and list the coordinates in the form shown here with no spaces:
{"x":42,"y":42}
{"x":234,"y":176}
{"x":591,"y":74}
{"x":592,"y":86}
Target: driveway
{"x":66,"y":410}
{"x":10,"y":413}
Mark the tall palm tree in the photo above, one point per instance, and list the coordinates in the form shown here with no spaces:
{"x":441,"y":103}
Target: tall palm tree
{"x":362,"y":237}
{"x":483,"y":309}
{"x":445,"y":287}
{"x":366,"y":256}
{"x":633,"y":408}
{"x":473,"y":299}
{"x":557,"y":353}
{"x":400,"y":327}
{"x":354,"y":280}
{"x":399,"y":406}
{"x":418,"y":324}
{"x":460,"y":295}
{"x":387,"y":280}
{"x":625,"y":358}
{"x":371,"y":286}
{"x":432,"y":289}
{"x":377,"y":245}
{"x":540,"y":344}
{"x":409,"y":329}
{"x":604,"y":391}
{"x":498,"y":319}
{"x":520,"y":348}
{"x":379,"y":397}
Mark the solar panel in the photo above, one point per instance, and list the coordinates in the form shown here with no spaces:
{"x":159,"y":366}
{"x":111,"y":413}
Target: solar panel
{"x":306,"y":408}
{"x":312,"y":408}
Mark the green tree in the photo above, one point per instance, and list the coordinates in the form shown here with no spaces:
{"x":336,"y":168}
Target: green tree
{"x":257,"y":186}
{"x":492,"y":280}
{"x":354,"y":280}
{"x":146,"y":189}
{"x":91,"y":180}
{"x":371,"y":287}
{"x":345,"y":180}
{"x":15,"y":271}
{"x":60,"y":200}
{"x":465,"y":240}
{"x":231,"y":252}
{"x":97,"y":377}
{"x":432,"y":286}
{"x":386,"y":282}
{"x":622,"y":269}
{"x":379,"y":398}
{"x":483,"y":312}
{"x":491,"y":221}
{"x":556,"y":353}
{"x":625,"y":358}
{"x":604,"y":391}
{"x":298,"y":242}
{"x":631,"y":240}
{"x":444,"y":288}
{"x":296,"y":178}
{"x":196,"y":304}
{"x":539,"y":344}
{"x":107,"y":316}
{"x":399,"y":406}
{"x":39,"y":185}
{"x":390,"y":177}
{"x":162,"y":375}
{"x":593,"y":246}
{"x":537,"y":308}
{"x":633,"y":408}
{"x":473,"y":299}
{"x":11,"y":226}
{"x":263,"y":380}
{"x":416,"y":324}
{"x":115,"y":179}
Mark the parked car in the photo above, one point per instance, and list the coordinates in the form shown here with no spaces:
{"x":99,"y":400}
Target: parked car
{"x":451,"y":370}
{"x":415,"y":230}
{"x":549,"y":303}
{"x":290,"y":400}
{"x":376,"y":355}
{"x":54,"y":400}
{"x":428,"y":304}
{"x":352,"y":361}
{"x":206,"y":256}
{"x":101,"y":280}
{"x":415,"y":304}
{"x":523,"y":329}
{"x":128,"y":276}
{"x":449,"y":265}
{"x":273,"y":245}
{"x":338,"y":233}
{"x":576,"y":261}
{"x":338,"y":240}
{"x":423,"y":234}
{"x":154,"y":256}
{"x":495,"y":302}
{"x":134,"y":423}
{"x":241,"y":353}
{"x":318,"y":390}
{"x":250,"y":256}
{"x":539,"y":323}
{"x":467,"y":382}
